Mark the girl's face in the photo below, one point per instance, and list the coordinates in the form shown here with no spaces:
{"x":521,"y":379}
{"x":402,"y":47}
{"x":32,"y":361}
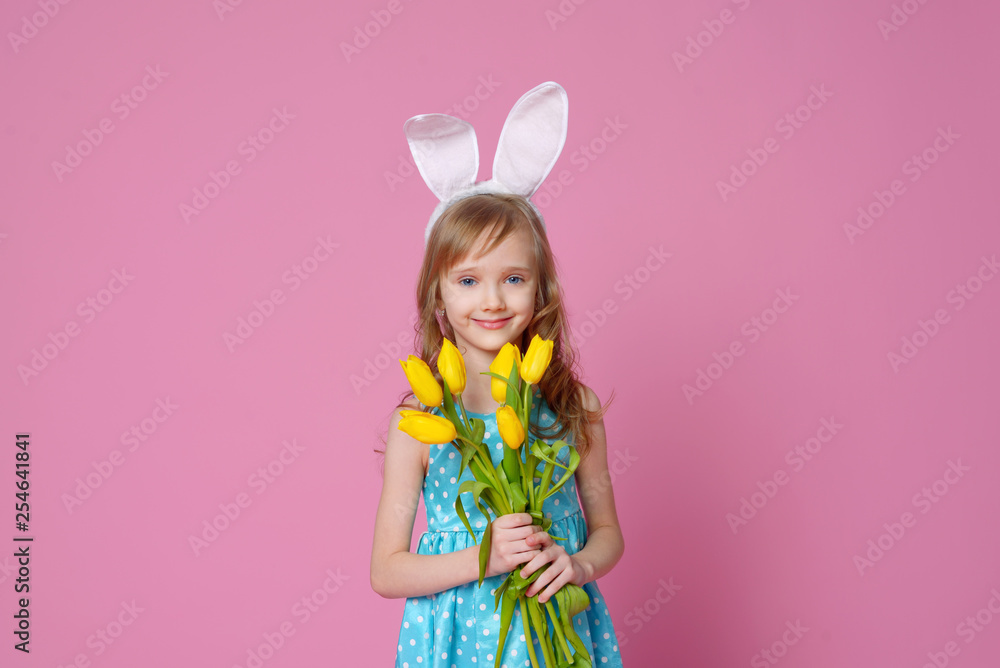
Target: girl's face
{"x":490,"y":301}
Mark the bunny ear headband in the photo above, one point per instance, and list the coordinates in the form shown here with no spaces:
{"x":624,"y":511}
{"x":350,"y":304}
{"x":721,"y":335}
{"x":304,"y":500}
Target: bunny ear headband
{"x":447,"y":155}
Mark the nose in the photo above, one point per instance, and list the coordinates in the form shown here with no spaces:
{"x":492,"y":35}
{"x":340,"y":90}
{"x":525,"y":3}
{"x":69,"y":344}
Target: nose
{"x":493,"y":298}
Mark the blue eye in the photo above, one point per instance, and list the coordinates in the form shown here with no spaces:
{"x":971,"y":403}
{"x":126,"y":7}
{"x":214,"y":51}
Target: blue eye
{"x":518,"y":278}
{"x":462,"y":281}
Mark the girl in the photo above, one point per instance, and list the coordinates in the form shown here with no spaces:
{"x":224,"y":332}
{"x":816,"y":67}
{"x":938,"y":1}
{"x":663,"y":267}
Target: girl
{"x":488,"y":278}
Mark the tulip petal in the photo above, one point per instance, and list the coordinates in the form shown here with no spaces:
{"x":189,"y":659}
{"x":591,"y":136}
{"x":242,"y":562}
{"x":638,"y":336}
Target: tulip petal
{"x":451,"y":364}
{"x":509,"y":355}
{"x":425,"y":386}
{"x":536,"y":359}
{"x":427,"y":428}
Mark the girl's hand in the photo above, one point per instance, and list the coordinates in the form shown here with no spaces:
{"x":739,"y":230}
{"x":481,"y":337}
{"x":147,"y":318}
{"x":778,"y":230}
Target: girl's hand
{"x":563,"y":568}
{"x":508,"y":546}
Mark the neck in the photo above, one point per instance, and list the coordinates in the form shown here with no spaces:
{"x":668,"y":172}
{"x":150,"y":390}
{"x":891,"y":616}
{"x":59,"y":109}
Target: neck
{"x":478,"y":396}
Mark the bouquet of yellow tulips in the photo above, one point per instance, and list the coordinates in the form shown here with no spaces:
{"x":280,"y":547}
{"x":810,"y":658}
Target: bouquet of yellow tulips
{"x":519,"y":485}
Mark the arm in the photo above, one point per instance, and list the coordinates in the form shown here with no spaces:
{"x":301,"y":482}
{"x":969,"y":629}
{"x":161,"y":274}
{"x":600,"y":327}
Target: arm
{"x":398,"y":573}
{"x":605,"y":543}
{"x":395,"y":571}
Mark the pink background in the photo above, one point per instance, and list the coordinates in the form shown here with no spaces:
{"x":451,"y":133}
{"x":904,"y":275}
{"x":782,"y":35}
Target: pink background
{"x":696,"y":587}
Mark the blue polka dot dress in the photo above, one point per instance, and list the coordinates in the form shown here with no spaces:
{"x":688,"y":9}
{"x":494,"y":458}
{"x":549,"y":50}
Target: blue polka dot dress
{"x":458,"y":627}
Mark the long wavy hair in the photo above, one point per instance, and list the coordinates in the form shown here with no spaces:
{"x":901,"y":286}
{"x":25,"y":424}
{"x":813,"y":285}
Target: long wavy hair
{"x":452,"y":238}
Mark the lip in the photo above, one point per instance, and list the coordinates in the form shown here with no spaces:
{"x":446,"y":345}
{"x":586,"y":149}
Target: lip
{"x":493,"y":324}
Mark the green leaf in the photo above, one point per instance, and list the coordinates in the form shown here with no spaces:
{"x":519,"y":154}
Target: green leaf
{"x":506,"y":617}
{"x":449,"y":401}
{"x":573,"y":600}
{"x":468,"y":452}
{"x":512,"y":386}
{"x":451,"y":413}
{"x":518,"y":500}
{"x":460,"y":509}
{"x":478,"y":429}
{"x":484,"y":552}
{"x":541,"y":628}
{"x":574,"y":461}
{"x":558,"y":625}
{"x":504,"y":482}
{"x":501,"y":589}
{"x":477,"y":489}
{"x":527,"y":633}
{"x":549,"y":453}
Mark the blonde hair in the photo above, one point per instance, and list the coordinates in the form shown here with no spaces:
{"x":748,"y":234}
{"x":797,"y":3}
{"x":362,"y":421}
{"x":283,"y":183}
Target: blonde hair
{"x":453,"y":237}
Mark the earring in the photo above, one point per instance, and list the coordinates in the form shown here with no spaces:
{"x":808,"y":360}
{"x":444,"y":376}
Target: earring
{"x":441,"y":313}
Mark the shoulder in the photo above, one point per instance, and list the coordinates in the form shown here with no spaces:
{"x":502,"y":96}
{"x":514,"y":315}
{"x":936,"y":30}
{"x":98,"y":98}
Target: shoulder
{"x":408,"y":405}
{"x":589,"y":398}
{"x":399,"y":444}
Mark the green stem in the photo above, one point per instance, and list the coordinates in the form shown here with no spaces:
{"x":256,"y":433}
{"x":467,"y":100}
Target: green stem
{"x":526,"y":420}
{"x":465,"y":417}
{"x":542,"y":631}
{"x":550,"y":605}
{"x":486,"y":461}
{"x":488,"y":475}
{"x":522,"y":601}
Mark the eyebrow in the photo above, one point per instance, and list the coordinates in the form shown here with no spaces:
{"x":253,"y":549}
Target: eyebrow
{"x":472,"y":270}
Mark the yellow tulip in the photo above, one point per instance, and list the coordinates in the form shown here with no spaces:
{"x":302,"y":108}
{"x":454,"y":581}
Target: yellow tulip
{"x":452,"y":367}
{"x":427,"y":428}
{"x":536,"y":360}
{"x":425,"y":386}
{"x":511,"y":429}
{"x":508,"y":356}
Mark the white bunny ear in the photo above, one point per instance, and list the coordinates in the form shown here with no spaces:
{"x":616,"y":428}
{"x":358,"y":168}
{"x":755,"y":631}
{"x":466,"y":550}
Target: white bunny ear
{"x":532,"y":138}
{"x":445,"y":151}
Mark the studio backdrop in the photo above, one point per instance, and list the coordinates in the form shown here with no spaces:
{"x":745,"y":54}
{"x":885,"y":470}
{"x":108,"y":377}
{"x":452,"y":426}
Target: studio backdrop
{"x":776,"y":229}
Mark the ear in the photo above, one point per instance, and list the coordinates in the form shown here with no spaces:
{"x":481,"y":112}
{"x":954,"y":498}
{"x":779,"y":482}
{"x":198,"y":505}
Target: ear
{"x":445,"y":151}
{"x":532,"y":138}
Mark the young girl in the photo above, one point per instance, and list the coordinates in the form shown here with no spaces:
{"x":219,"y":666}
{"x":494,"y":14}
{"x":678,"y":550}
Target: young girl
{"x":489,"y":278}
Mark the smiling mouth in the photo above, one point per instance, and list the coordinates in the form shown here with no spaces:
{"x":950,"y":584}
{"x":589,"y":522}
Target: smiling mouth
{"x":493,"y":324}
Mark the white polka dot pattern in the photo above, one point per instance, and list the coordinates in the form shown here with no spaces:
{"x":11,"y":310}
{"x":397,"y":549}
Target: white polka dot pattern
{"x":460,"y":627}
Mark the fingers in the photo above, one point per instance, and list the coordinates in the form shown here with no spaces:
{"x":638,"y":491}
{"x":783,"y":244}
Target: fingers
{"x":554,"y":586}
{"x":541,"y":539}
{"x":513,"y":520}
{"x":548,"y":583}
{"x":511,"y":545}
{"x":552,"y":579}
